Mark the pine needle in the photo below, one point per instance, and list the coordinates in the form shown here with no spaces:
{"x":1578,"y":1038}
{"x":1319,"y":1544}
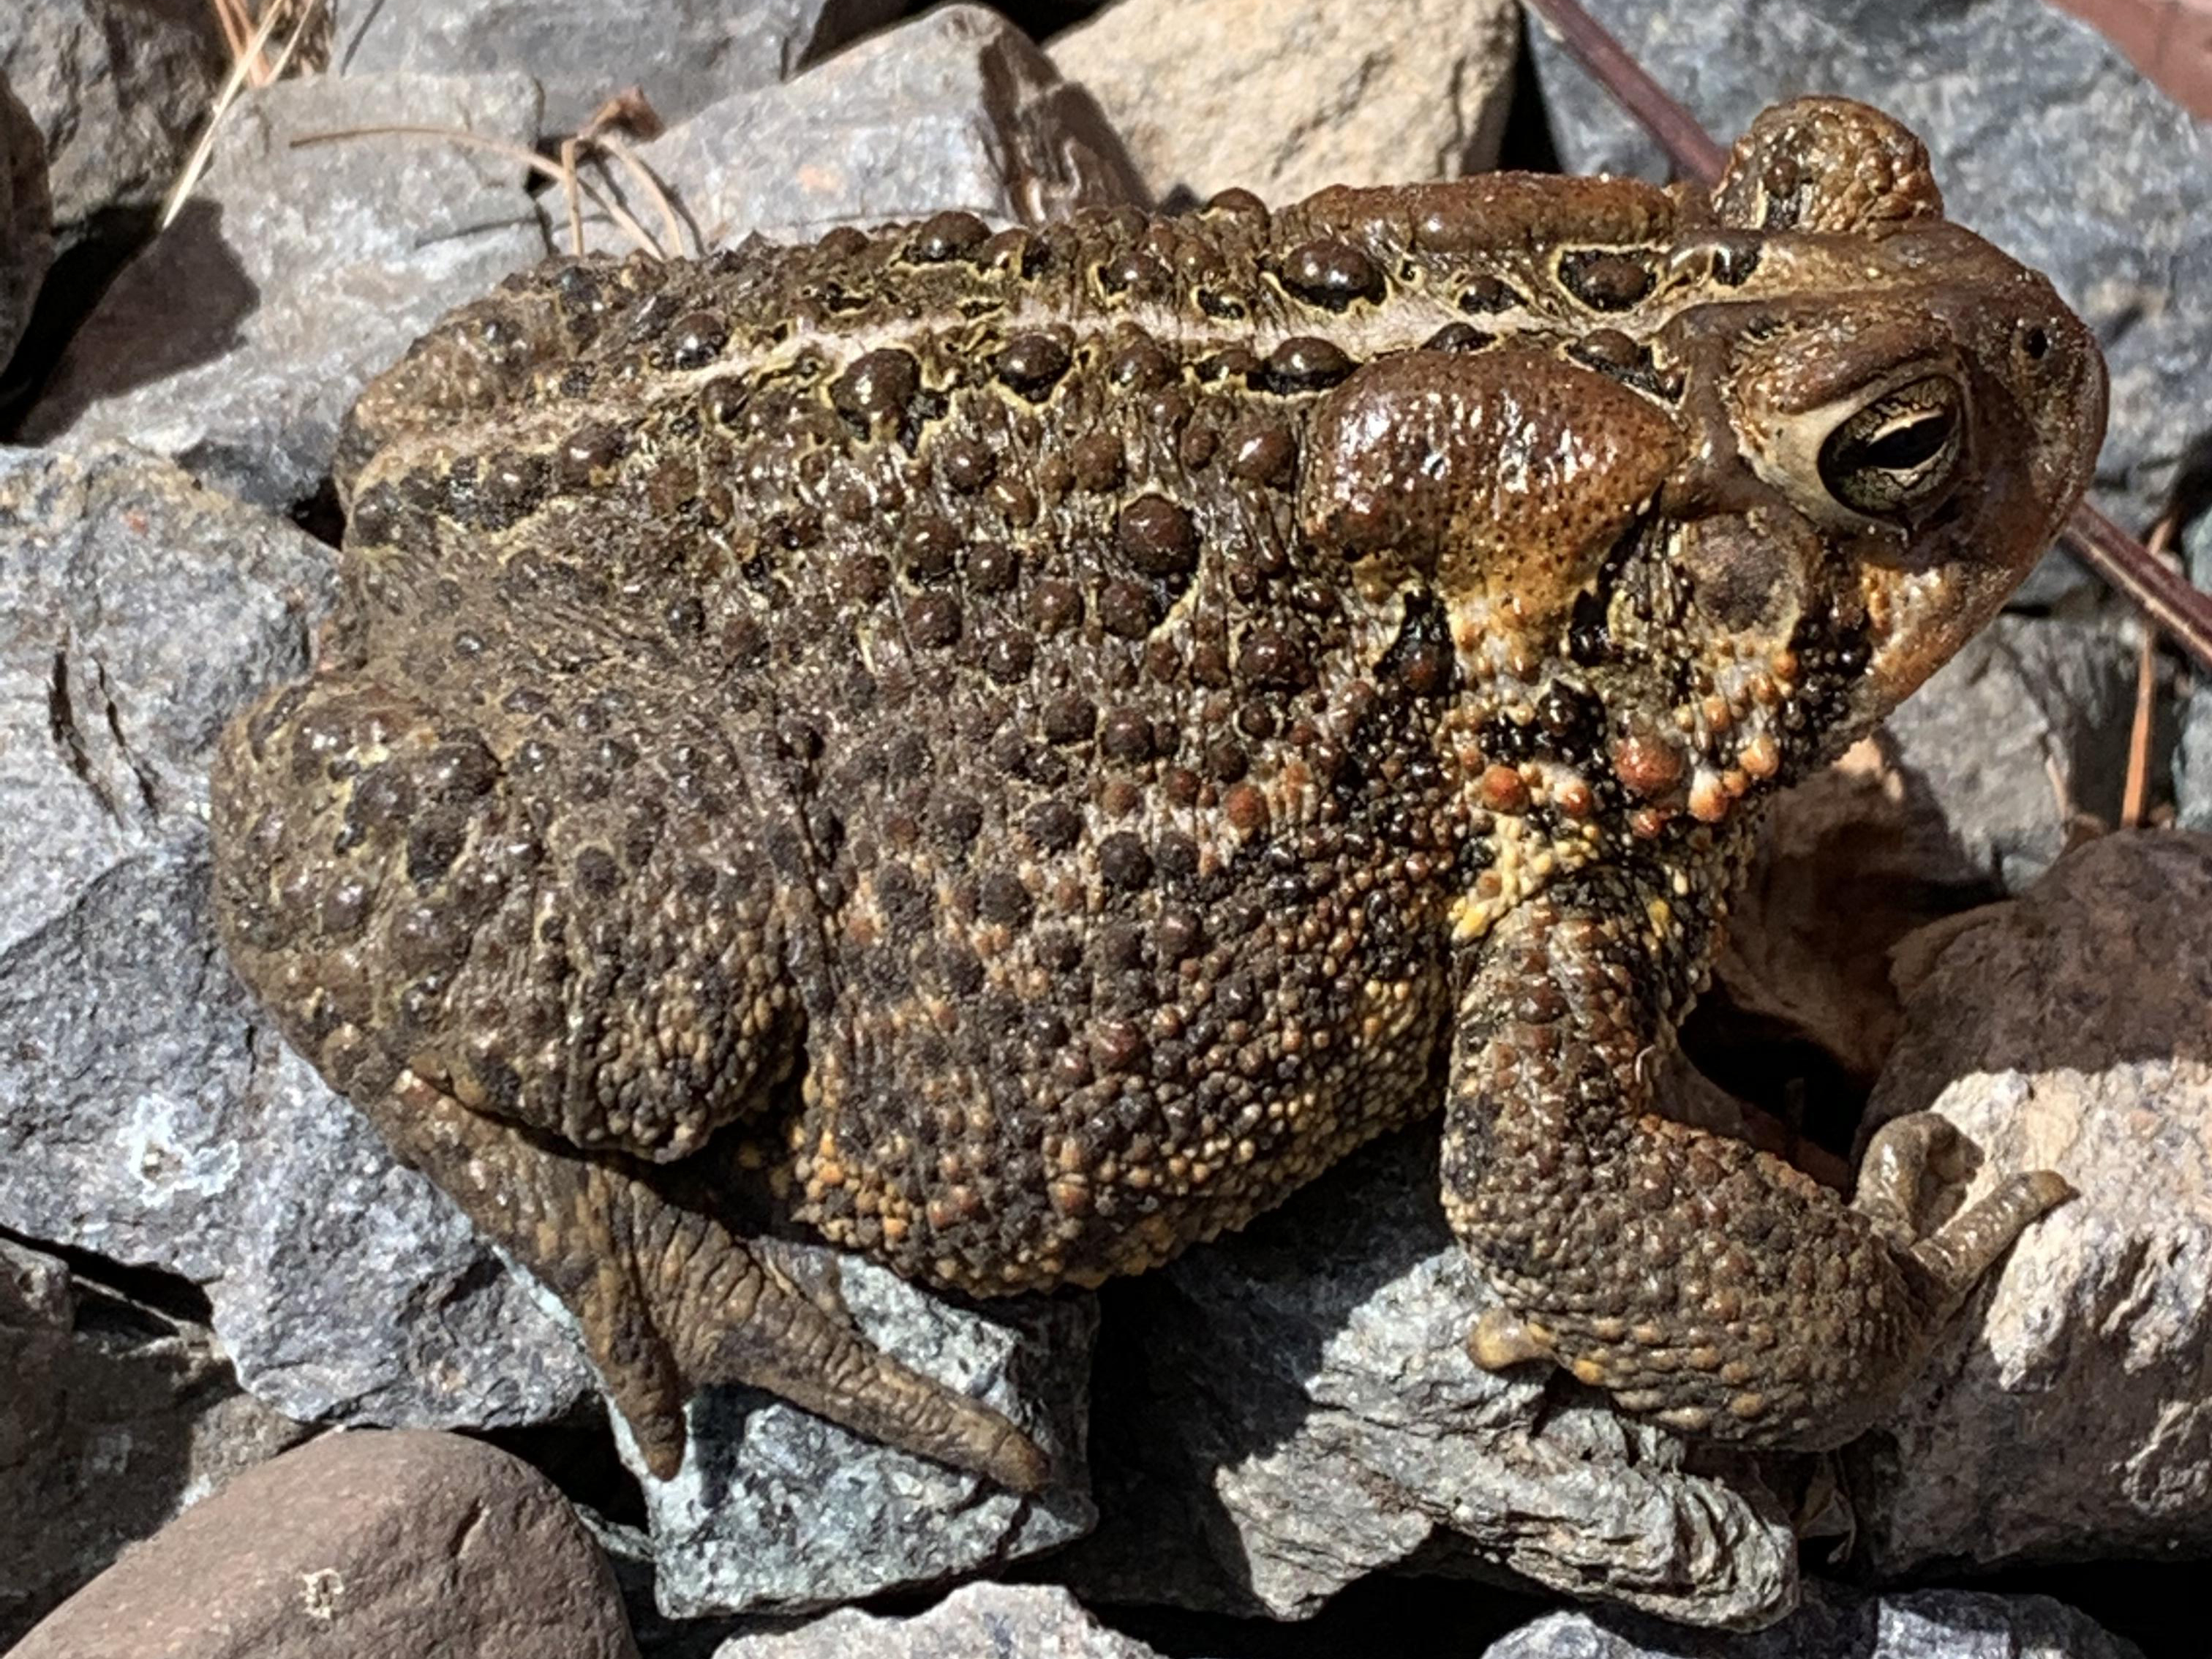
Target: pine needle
{"x":245,"y":64}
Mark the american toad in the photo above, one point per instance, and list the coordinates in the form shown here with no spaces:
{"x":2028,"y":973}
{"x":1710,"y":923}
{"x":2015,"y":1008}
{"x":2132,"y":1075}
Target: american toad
{"x":1010,"y":752}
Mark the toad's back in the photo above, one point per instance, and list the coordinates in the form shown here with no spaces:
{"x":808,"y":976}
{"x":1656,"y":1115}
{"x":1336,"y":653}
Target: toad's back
{"x":969,"y":565}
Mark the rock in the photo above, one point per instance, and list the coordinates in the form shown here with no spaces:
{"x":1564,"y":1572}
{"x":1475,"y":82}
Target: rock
{"x":2045,"y":140}
{"x":2192,"y":761}
{"x":956,"y":109}
{"x":1971,"y":791}
{"x":776,"y":1510}
{"x":2066,"y":1415}
{"x":1285,"y":98}
{"x":1022,"y":1621}
{"x":27,"y":241}
{"x":1929,"y":1624}
{"x":682,"y":54}
{"x":360,"y":1544}
{"x":116,"y":1417}
{"x":146,"y":1112}
{"x":236,"y":341}
{"x":120,"y":89}
{"x":1296,"y":1408}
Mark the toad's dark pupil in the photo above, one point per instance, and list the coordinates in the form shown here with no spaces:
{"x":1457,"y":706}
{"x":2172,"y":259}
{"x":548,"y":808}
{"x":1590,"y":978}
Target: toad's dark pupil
{"x":1910,"y":444}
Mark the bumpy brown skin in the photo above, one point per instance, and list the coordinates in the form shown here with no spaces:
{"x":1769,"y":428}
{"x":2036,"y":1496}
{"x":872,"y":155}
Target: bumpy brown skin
{"x":1012,"y":752}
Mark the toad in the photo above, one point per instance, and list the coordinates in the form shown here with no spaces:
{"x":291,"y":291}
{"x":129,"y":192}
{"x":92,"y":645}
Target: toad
{"x":1010,"y":751}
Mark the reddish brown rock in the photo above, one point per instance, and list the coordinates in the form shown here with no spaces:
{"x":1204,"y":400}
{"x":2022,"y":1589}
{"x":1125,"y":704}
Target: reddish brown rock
{"x":368,"y":1543}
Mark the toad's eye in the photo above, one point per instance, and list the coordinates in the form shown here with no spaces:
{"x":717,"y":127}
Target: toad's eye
{"x":1900,"y":453}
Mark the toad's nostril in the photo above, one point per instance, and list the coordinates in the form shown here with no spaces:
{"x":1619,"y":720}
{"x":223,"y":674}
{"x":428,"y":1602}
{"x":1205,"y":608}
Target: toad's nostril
{"x":2036,"y":343}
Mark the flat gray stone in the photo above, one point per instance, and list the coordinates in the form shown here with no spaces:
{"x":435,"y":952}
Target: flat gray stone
{"x":237,"y":339}
{"x":27,"y":241}
{"x":2021,"y":733}
{"x":1285,"y":99}
{"x":120,"y":88}
{"x":1298,"y":1410}
{"x":354,"y":1547}
{"x":116,"y":1417}
{"x":1020,"y":1621}
{"x":2066,"y":1415}
{"x":775,"y":1510}
{"x":147,"y":1111}
{"x":682,"y":54}
{"x":2045,"y":140}
{"x":1938,"y":1624}
{"x":955,"y":109}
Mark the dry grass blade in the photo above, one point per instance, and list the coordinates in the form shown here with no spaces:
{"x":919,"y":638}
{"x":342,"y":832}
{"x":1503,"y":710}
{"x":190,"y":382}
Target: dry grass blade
{"x":237,"y":25}
{"x":241,"y":64}
{"x":2134,"y":799}
{"x":247,"y":40}
{"x":671,"y":225}
{"x":572,"y":192}
{"x":2163,"y":596}
{"x":627,"y":112}
{"x":561,"y":172}
{"x":291,"y":44}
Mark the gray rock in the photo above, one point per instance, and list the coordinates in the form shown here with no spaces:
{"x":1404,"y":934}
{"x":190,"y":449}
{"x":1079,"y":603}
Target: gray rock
{"x":683,"y":54}
{"x":116,"y":1417}
{"x":1971,"y":790}
{"x":2066,"y":1415}
{"x":146,"y":1112}
{"x":2045,"y":140}
{"x":237,"y":340}
{"x":2192,"y":760}
{"x":355,"y":1545}
{"x":776,"y":1510}
{"x":1301,"y":1411}
{"x":1285,"y":99}
{"x":120,"y":89}
{"x":1021,"y":1621}
{"x":1834,"y":1622}
{"x":27,"y":241}
{"x":2023,"y":731}
{"x":956,"y":109}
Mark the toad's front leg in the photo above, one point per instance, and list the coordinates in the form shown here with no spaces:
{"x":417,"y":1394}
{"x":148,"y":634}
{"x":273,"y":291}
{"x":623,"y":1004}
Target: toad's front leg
{"x":1702,"y":1282}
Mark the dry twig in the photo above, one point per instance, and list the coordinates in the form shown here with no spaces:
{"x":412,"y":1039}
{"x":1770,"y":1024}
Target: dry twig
{"x":2134,"y":799}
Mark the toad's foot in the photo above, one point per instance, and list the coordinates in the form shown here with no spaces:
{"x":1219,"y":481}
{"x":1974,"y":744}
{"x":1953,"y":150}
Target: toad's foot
{"x":1702,"y":1283}
{"x":669,"y":1300}
{"x":1906,"y":1157}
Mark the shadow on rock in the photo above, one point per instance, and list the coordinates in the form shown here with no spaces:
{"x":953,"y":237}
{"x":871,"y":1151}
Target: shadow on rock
{"x":181,"y":304}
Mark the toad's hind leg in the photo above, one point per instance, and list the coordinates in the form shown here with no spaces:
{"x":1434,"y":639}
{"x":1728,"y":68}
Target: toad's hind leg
{"x":669,"y":1300}
{"x":1702,"y":1282}
{"x":543,"y":1010}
